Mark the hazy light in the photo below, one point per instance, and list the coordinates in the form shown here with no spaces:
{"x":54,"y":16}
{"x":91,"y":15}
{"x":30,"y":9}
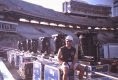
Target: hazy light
{"x":70,"y":26}
{"x":112,"y":29}
{"x":61,"y":25}
{"x":104,"y":28}
{"x":89,"y":28}
{"x":54,"y":35}
{"x":44,"y":23}
{"x":78,"y":27}
{"x":97,"y":28}
{"x":53,"y":24}
{"x":23,"y":20}
{"x":34,"y":21}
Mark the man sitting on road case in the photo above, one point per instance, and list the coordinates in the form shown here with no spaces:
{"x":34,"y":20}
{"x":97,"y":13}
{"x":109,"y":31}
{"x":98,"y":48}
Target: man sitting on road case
{"x":67,"y":58}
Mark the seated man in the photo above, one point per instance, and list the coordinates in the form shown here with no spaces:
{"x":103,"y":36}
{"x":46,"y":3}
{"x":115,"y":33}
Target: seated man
{"x":67,"y":58}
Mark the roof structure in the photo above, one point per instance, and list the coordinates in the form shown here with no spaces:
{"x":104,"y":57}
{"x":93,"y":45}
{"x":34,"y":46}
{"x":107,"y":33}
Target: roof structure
{"x":25,"y":8}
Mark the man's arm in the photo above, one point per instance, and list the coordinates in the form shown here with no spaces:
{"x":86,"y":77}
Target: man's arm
{"x":75,"y":59}
{"x":59,"y":56}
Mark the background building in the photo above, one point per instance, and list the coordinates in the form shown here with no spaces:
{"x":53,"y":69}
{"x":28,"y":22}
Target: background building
{"x":115,"y":8}
{"x":85,"y":9}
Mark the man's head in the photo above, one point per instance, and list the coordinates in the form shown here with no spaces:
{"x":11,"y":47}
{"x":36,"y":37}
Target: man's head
{"x":68,"y":40}
{"x":69,"y":37}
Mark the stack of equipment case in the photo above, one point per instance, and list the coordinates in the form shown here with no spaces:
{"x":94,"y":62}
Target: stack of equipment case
{"x":52,"y":72}
{"x":37,"y":70}
{"x":26,"y":70}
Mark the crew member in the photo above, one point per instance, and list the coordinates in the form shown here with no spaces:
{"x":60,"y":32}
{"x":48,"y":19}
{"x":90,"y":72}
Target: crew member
{"x":67,"y":58}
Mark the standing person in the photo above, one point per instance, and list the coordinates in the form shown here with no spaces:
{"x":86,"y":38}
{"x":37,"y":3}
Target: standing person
{"x":67,"y":58}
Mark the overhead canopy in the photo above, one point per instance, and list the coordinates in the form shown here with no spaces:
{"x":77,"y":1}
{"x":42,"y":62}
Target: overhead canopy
{"x":19,"y":6}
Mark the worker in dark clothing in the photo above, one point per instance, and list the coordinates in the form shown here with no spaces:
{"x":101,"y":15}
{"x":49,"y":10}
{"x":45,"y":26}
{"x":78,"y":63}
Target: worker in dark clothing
{"x":67,"y":58}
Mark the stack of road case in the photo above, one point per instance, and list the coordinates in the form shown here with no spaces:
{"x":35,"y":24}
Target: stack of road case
{"x":10,"y":56}
{"x":39,"y":66}
{"x":110,"y":56}
{"x":51,"y":72}
{"x":26,"y":71}
{"x":37,"y":70}
{"x":17,"y":60}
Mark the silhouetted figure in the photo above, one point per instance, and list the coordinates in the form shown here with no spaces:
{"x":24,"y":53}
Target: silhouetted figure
{"x":34,"y":45}
{"x":46,"y":45}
